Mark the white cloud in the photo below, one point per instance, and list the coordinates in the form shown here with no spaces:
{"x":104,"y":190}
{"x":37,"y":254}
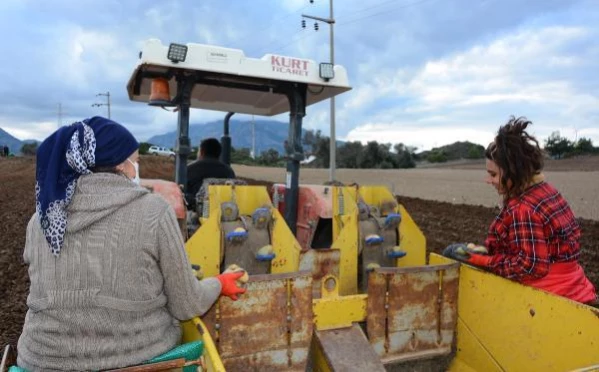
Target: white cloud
{"x":422,"y":138}
{"x":422,"y":68}
{"x":38,"y":130}
{"x":529,"y":71}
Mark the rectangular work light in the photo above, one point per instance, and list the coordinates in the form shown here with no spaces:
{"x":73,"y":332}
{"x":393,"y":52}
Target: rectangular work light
{"x":326,"y":71}
{"x":177,"y":52}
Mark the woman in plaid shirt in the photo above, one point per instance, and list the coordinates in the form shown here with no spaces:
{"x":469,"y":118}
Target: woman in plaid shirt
{"x":535,"y":238}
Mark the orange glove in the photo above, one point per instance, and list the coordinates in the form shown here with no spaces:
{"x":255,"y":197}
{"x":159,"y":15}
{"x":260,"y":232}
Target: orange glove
{"x":228,"y":283}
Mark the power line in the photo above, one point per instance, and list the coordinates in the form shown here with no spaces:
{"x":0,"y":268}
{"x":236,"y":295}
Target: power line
{"x":276,"y":21}
{"x":384,"y":12}
{"x":368,"y":8}
{"x":286,"y":45}
{"x":107,"y":104}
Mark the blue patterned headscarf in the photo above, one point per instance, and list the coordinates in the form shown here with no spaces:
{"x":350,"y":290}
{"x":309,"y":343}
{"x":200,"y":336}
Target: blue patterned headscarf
{"x":68,"y":153}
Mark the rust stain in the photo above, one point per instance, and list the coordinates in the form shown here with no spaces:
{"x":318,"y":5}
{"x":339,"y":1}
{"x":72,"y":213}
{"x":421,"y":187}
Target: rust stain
{"x":421,"y":314}
{"x":268,"y":361}
{"x":320,"y":263}
{"x":270,"y":327}
{"x":375,"y":309}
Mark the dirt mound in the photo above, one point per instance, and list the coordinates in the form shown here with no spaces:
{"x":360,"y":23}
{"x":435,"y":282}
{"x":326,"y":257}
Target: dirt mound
{"x":442,"y":223}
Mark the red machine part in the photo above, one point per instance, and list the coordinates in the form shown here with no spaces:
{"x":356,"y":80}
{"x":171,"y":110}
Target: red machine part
{"x":314,"y":214}
{"x":170,"y":192}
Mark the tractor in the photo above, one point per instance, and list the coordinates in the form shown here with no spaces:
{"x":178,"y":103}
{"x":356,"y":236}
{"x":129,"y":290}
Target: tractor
{"x":339,"y":276}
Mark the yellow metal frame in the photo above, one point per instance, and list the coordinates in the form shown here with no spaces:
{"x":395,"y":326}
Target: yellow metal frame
{"x":195,"y":329}
{"x":205,"y":246}
{"x":506,"y":326}
{"x":412,"y":240}
{"x":345,"y":237}
{"x":501,"y":325}
{"x":332,"y":311}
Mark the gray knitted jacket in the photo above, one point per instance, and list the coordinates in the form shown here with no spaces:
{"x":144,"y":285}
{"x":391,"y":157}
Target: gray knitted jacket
{"x":122,"y":282}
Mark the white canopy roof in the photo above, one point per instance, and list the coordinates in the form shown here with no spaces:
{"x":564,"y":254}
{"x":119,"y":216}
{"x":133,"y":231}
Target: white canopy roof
{"x":223,"y":70}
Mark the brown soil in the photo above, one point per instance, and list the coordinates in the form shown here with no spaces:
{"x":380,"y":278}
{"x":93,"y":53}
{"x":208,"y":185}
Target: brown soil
{"x":442,"y":223}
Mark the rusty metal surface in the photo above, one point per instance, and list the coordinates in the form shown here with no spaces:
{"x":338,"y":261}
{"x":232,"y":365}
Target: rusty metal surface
{"x":320,"y":262}
{"x":348,"y":349}
{"x":269,"y":328}
{"x":376,"y":314}
{"x":244,"y":253}
{"x":269,"y":361}
{"x":412,"y":312}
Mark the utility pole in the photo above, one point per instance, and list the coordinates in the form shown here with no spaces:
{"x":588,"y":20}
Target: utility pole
{"x":107,"y":95}
{"x":333,"y":144}
{"x":60,"y":113}
{"x":253,"y":138}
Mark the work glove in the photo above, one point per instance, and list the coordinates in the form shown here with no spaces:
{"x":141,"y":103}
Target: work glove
{"x":230,"y":281}
{"x":470,"y":253}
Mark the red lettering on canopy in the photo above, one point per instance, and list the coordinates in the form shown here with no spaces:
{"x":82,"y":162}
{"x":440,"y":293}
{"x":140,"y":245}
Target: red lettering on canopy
{"x":289,"y":65}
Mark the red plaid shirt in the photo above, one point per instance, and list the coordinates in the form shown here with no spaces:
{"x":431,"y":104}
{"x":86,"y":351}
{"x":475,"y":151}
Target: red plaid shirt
{"x":531,"y":232}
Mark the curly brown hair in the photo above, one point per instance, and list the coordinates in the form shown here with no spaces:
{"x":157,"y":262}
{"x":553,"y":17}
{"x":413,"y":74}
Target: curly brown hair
{"x":517,"y":154}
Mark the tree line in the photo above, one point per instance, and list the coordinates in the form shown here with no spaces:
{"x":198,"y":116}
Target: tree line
{"x":355,"y":155}
{"x":560,"y":147}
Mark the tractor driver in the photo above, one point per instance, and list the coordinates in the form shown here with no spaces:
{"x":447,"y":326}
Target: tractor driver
{"x":207,"y":166}
{"x":535,"y":238}
{"x":110,"y":278}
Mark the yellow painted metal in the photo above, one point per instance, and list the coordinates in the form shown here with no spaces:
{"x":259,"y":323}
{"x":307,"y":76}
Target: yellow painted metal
{"x":203,"y":247}
{"x":319,"y":361}
{"x":521,"y":328}
{"x":477,"y":355}
{"x":339,"y":312}
{"x":285,"y":246}
{"x":195,"y":330}
{"x":346,"y":238}
{"x":412,"y":239}
{"x":344,"y":203}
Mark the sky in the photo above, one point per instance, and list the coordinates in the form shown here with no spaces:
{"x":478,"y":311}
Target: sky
{"x":424,"y":72}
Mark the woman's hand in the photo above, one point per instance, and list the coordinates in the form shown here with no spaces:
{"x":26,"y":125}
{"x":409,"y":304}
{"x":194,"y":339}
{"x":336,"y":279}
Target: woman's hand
{"x":469,"y":253}
{"x":229,"y":287}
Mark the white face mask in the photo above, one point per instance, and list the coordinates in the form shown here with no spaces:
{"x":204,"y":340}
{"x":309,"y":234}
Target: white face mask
{"x":136,"y":166}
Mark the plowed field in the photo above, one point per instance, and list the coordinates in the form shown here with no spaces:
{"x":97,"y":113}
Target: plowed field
{"x":443,"y":222}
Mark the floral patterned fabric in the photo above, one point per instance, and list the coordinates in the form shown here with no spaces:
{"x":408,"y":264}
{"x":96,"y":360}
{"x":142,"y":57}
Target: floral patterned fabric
{"x":63,"y":157}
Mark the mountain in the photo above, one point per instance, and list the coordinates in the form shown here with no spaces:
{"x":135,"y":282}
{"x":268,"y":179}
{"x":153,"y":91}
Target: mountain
{"x":269,"y":134}
{"x":13,"y":143}
{"x":457,"y":150}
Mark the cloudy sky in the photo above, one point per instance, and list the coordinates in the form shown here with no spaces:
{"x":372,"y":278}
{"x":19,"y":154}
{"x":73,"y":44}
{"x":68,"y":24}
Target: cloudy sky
{"x":423,"y":72}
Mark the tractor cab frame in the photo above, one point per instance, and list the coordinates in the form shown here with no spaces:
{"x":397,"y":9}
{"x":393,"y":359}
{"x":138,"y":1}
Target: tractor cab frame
{"x":223,"y":79}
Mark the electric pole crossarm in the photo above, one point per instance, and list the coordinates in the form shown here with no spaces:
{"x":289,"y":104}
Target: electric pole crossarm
{"x":325,"y":20}
{"x":107,"y":95}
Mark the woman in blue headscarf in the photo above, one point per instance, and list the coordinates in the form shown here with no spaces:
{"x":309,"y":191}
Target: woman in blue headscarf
{"x":110,"y":279}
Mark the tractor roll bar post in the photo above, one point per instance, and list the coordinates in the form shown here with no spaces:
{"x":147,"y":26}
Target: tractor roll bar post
{"x":296,"y":94}
{"x":225,"y":141}
{"x":185,"y":85}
